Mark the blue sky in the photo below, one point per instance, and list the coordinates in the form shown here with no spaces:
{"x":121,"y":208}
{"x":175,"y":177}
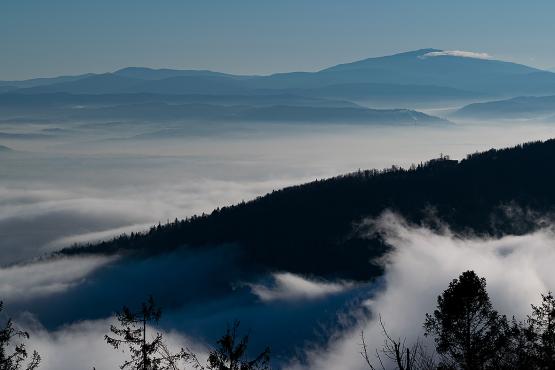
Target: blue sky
{"x":53,"y":37}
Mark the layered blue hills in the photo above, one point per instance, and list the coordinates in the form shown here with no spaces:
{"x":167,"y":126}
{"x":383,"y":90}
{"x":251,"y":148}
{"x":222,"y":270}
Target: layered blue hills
{"x":424,"y":67}
{"x":372,"y":90}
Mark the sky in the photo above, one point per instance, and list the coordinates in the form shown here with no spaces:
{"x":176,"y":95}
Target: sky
{"x":56,"y":37}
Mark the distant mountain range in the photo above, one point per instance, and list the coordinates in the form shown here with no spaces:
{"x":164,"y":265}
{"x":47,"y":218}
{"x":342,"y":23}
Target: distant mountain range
{"x":275,"y":113}
{"x":430,"y":70}
{"x":312,"y":228}
{"x":201,"y":108}
{"x":341,"y":93}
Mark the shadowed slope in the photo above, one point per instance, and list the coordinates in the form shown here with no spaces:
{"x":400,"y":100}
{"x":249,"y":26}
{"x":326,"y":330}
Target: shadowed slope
{"x":310,"y":228}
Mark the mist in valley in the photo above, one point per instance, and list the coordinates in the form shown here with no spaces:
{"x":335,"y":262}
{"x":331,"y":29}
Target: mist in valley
{"x":73,"y":182}
{"x":79,"y":184}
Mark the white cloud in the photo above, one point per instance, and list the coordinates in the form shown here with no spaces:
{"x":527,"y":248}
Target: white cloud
{"x":82,"y":346}
{"x":288,"y":286}
{"x":419,"y":268}
{"x":95,"y":236}
{"x":457,"y":53}
{"x":32,"y":280}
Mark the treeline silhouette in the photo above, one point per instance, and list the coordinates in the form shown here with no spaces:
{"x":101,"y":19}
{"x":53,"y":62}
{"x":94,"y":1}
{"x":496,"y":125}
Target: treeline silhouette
{"x":470,"y":335}
{"x":467,"y":332}
{"x":132,"y":334}
{"x":311,"y":228}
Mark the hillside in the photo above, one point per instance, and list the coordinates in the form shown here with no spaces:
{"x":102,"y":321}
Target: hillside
{"x":310,"y":228}
{"x":523,"y":107}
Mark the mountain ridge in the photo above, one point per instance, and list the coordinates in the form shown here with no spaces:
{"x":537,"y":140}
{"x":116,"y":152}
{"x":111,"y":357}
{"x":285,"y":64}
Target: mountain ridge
{"x":496,"y":192}
{"x":477,"y":75}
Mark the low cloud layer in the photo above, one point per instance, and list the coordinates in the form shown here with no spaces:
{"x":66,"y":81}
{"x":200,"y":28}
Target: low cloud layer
{"x":80,"y":188}
{"x":44,"y":278}
{"x":62,"y":194}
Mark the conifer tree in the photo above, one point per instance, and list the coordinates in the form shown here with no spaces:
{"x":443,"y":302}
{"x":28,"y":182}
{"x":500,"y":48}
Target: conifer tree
{"x":541,"y":330}
{"x":132,"y":332}
{"x":231,"y":353}
{"x":469,"y":334}
{"x":13,"y":352}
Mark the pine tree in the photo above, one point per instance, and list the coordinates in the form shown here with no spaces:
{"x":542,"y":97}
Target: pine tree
{"x":542,"y":332}
{"x":469,"y":334}
{"x":13,"y":352}
{"x":231,"y":353}
{"x":145,"y":353}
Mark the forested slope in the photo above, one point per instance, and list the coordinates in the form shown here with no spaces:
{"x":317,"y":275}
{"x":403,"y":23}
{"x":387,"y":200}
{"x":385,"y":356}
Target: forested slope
{"x":311,"y":228}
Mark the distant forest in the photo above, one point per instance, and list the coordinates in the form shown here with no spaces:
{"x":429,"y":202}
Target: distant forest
{"x":312,"y":228}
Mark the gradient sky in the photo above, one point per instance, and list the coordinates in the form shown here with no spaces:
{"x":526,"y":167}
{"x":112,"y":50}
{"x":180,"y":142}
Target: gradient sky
{"x":54,"y":37}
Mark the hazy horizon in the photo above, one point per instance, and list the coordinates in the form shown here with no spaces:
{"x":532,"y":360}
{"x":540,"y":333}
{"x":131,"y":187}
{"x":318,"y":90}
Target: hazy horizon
{"x":547,"y":67}
{"x":217,"y":36}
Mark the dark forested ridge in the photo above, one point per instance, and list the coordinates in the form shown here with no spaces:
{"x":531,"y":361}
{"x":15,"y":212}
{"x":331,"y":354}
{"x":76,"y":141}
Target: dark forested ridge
{"x":310,"y":228}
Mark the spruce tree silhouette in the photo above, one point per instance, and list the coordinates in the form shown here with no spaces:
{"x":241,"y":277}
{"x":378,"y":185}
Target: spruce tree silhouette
{"x":131,"y":332}
{"x":541,"y":331}
{"x":469,"y":334}
{"x":231,"y":353}
{"x":13,"y":352}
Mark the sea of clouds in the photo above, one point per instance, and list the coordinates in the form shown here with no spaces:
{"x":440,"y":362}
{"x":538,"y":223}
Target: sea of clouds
{"x":56,"y":193}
